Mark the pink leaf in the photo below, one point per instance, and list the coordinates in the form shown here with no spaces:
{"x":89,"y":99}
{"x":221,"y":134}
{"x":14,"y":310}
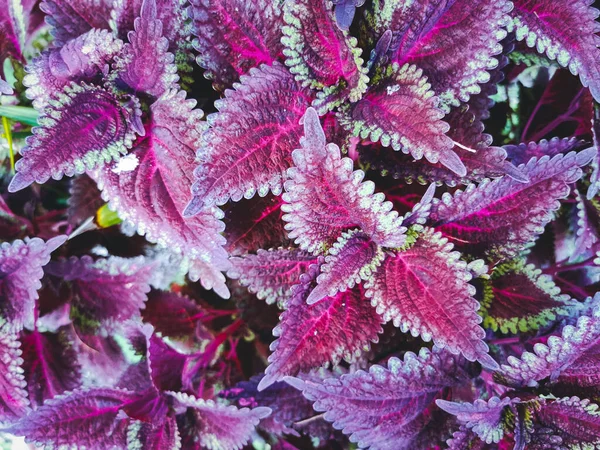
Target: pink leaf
{"x":12,"y":31}
{"x":13,"y":395}
{"x":311,"y":336}
{"x":218,"y":427}
{"x":160,"y":436}
{"x":50,"y":365}
{"x":352,"y":259}
{"x":425,"y":290}
{"x":234,"y":36}
{"x":499,"y":217}
{"x":248,"y":147}
{"x":87,"y":128}
{"x":162,"y":165}
{"x":402,"y":112}
{"x":171,"y":314}
{"x":270,"y":274}
{"x":324,"y":197}
{"x":21,"y":268}
{"x":385,"y":408}
{"x":564,"y":31}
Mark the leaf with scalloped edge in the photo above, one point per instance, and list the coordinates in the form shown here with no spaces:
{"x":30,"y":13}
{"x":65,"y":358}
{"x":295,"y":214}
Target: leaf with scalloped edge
{"x":84,"y":417}
{"x":425,"y":290}
{"x":321,"y":55}
{"x":248,"y":146}
{"x":324,"y":197}
{"x":145,"y":64}
{"x":419,"y":213}
{"x":50,"y":365}
{"x":12,"y":31}
{"x":352,"y":259}
{"x":454,"y":42}
{"x":270,"y":274}
{"x":385,"y":408}
{"x":519,"y":298}
{"x":401,"y":111}
{"x":565,"y":31}
{"x":499,"y":217}
{"x":311,"y":336}
{"x":85,"y":127}
{"x":13,"y":395}
{"x":486,"y":418}
{"x":233,"y":36}
{"x":69,"y":19}
{"x":161,"y":436}
{"x":587,"y":226}
{"x":219,"y":427}
{"x":151,"y":192}
{"x":80,"y":59}
{"x":522,"y":153}
{"x":557,"y":355}
{"x":108,"y":291}
{"x":21,"y":265}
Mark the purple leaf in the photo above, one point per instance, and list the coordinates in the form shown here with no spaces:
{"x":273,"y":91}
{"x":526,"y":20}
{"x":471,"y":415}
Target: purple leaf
{"x":324,"y":197}
{"x":322,"y":56}
{"x":12,"y":31}
{"x":384,"y":408}
{"x":5,"y":88}
{"x":271,"y":274}
{"x":499,"y":217}
{"x":234,"y":36}
{"x":219,"y":427}
{"x":99,"y":129}
{"x":171,"y":314}
{"x":84,"y":200}
{"x":352,"y":259}
{"x":111,"y":290}
{"x":424,"y":289}
{"x":161,"y":168}
{"x":401,"y":112}
{"x":564,"y":31}
{"x":13,"y":395}
{"x":587,"y":226}
{"x":70,"y":19}
{"x":50,"y":365}
{"x":248,"y":147}
{"x":486,"y":418}
{"x":80,"y":59}
{"x":552,"y":358}
{"x":87,"y":417}
{"x":522,"y":153}
{"x":518,"y":298}
{"x":162,"y":436}
{"x":310,"y":336}
{"x":21,"y":271}
{"x":344,"y":12}
{"x":145,"y":64}
{"x":420,"y":212}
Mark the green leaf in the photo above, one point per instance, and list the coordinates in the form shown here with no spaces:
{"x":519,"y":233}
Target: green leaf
{"x":23,"y":114}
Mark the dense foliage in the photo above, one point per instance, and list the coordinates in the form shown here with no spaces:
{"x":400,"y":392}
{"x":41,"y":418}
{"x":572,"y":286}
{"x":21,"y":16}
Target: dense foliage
{"x":335,"y":256}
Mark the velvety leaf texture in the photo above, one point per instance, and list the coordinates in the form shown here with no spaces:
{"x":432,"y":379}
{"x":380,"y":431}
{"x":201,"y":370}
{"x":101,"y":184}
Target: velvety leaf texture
{"x":325,"y":197}
{"x":310,"y":336}
{"x":21,"y":267}
{"x":271,"y":274}
{"x":563,"y":31}
{"x":248,"y":147}
{"x":145,"y":65}
{"x":12,"y":30}
{"x":383,"y":408}
{"x":320,"y":55}
{"x":402,"y":112}
{"x":88,"y":417}
{"x":80,"y":59}
{"x":171,"y":314}
{"x":221,"y":427}
{"x":234,"y":36}
{"x":142,"y":435}
{"x":13,"y":395}
{"x":518,"y":298}
{"x":499,"y":217}
{"x":152,"y":191}
{"x":425,"y":290}
{"x":70,"y":19}
{"x":99,"y":129}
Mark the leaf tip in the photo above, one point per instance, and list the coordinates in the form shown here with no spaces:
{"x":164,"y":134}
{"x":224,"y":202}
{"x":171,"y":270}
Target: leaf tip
{"x":19,"y":181}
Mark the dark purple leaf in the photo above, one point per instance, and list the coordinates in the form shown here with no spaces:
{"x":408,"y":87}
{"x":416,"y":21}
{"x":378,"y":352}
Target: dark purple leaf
{"x":13,"y":395}
{"x":171,"y":314}
{"x":84,"y":200}
{"x":522,"y":153}
{"x":161,"y":436}
{"x":70,"y":19}
{"x":12,"y":31}
{"x":234,"y":36}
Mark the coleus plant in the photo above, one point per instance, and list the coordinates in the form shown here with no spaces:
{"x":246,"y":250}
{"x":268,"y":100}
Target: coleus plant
{"x":436,"y":285}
